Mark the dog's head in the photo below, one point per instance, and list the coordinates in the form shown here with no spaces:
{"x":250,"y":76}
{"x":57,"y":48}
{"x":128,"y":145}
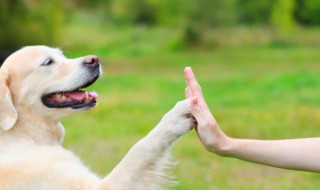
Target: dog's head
{"x":41,"y":80}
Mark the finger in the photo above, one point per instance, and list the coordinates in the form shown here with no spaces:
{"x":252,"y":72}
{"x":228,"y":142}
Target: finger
{"x":197,"y":110}
{"x":200,"y":111}
{"x":192,"y":83}
{"x":194,"y":112}
{"x":188,"y":75}
{"x":195,"y":89}
{"x":188,"y":93}
{"x":196,"y":128}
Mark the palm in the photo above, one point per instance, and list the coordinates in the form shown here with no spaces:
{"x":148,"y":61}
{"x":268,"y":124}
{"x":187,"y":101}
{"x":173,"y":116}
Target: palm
{"x":207,"y":127}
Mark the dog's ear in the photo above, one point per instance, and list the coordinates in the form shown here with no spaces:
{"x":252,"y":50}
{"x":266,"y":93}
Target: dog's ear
{"x":8,"y":113}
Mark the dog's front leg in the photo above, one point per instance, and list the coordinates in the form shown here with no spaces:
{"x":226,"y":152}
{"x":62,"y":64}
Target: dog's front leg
{"x":143,"y":168}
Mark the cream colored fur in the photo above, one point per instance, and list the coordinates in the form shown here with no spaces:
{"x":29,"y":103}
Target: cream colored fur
{"x":31,"y":155}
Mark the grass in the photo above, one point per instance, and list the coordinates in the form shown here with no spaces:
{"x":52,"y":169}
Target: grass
{"x":264,"y":93}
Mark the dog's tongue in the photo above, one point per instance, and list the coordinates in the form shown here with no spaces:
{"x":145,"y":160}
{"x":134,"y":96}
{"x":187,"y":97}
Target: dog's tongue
{"x":80,"y":95}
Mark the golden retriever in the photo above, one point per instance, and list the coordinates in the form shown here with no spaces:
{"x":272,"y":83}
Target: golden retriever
{"x":38,"y":87}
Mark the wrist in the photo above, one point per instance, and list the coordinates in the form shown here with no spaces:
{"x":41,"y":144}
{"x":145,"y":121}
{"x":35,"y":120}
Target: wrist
{"x":223,"y":146}
{"x":218,"y":142}
{"x":213,"y":138}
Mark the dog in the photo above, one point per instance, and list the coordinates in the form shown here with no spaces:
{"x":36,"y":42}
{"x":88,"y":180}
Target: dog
{"x":38,"y":87}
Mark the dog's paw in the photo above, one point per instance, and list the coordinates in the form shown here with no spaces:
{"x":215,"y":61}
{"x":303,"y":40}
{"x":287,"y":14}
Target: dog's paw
{"x":179,"y":120}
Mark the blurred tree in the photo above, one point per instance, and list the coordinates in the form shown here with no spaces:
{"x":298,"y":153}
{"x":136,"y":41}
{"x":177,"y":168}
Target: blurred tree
{"x":307,"y":12}
{"x":26,"y":22}
{"x":133,"y":11}
{"x":282,"y":16}
{"x":170,"y":12}
{"x":206,"y":14}
{"x":90,"y":4}
{"x":254,"y":12}
{"x":10,"y":11}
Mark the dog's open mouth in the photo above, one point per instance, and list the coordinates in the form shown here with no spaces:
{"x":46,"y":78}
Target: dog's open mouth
{"x":74,"y":99}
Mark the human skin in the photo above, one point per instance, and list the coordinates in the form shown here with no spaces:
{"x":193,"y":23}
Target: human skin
{"x":295,"y":154}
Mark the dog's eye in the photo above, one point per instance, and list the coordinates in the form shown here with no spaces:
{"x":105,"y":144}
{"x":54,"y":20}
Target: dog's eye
{"x":47,"y":62}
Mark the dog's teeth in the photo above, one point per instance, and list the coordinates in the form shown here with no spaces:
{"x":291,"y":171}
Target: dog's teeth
{"x":87,"y":95}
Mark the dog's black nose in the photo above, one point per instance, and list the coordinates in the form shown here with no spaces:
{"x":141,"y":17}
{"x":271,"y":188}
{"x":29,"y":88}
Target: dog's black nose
{"x":91,"y":60}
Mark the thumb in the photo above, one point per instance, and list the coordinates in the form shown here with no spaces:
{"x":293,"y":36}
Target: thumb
{"x":195,"y":107}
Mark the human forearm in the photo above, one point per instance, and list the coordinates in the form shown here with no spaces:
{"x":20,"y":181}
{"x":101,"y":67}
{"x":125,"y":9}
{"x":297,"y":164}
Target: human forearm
{"x":296,"y":154}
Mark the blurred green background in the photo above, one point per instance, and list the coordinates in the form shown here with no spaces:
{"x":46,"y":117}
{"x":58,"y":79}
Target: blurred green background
{"x":257,"y":62}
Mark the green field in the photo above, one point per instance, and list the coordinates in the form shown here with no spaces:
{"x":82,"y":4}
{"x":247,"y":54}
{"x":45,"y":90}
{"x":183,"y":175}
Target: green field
{"x":264,"y":93}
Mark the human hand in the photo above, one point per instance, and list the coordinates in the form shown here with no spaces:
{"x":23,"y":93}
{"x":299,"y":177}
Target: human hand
{"x":208,"y":130}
